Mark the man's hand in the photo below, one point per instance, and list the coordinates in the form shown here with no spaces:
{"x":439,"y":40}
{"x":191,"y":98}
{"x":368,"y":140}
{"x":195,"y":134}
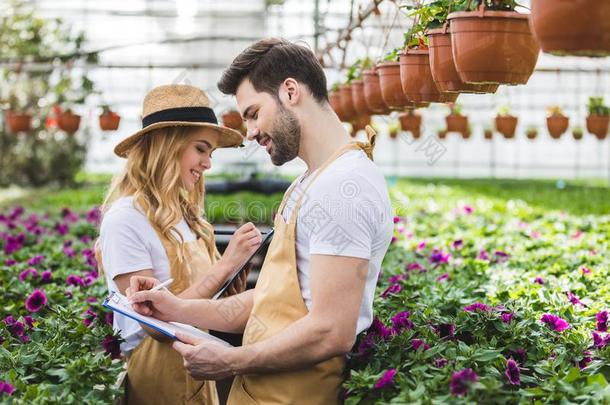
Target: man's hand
{"x":204,"y":360}
{"x":160,"y":304}
{"x":140,"y":283}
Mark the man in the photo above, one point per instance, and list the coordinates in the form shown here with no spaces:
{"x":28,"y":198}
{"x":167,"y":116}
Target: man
{"x":316,"y":287}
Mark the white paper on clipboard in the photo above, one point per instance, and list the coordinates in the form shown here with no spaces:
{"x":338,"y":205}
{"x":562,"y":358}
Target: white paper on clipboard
{"x":117,"y":302}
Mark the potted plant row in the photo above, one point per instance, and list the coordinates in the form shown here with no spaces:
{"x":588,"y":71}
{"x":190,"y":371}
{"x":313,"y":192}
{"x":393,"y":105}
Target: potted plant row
{"x":506,"y":124}
{"x":556,"y":122}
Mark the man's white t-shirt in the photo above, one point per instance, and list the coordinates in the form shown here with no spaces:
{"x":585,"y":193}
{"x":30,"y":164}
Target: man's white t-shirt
{"x":129,"y":243}
{"x":345,"y":212}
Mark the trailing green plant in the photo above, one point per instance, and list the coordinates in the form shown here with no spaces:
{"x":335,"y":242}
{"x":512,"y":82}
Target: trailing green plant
{"x":455,"y":108}
{"x":392,"y":56}
{"x":597,"y":107}
{"x":355,"y":71}
{"x":504,"y":111}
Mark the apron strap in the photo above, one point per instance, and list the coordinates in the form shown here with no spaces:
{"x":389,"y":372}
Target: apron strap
{"x":366,"y":147}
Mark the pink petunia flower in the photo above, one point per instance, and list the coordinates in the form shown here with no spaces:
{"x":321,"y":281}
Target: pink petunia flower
{"x":391,"y":290}
{"x":444,"y":276}
{"x":602,"y":321}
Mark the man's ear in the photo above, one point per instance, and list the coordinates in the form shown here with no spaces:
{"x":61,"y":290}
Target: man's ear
{"x":290,"y":91}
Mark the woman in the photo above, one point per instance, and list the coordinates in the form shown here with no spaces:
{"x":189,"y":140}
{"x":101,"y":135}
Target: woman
{"x":152,"y":226}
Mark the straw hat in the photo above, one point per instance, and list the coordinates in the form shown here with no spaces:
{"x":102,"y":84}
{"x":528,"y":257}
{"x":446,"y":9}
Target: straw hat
{"x":178,"y":105}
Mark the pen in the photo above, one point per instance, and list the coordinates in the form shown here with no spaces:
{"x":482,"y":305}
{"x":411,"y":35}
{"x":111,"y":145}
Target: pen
{"x":162,"y":285}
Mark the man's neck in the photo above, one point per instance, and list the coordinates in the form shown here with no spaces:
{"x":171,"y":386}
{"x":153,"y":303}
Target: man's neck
{"x":321,"y":136}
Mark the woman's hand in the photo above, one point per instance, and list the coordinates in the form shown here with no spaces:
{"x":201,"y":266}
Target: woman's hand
{"x":239,"y":284}
{"x":242,"y":245}
{"x":160,"y":304}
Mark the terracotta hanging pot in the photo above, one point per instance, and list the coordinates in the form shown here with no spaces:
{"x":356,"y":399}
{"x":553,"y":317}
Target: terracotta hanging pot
{"x":488,"y":134}
{"x":531,"y":134}
{"x":557,"y":124}
{"x":598,"y":126}
{"x":411,"y":122}
{"x":391,"y":87}
{"x":360,"y":123}
{"x":466,"y":135}
{"x":372,"y":92}
{"x":506,"y":125}
{"x":457,"y":123}
{"x":358,"y":98}
{"x":232,"y":119}
{"x":17,"y":121}
{"x":109,"y":121}
{"x":442,"y":134}
{"x":493,"y":46}
{"x":416,"y":78}
{"x":393,"y":132}
{"x":572,"y":27}
{"x":443,"y":68}
{"x":334,"y":98}
{"x":68,"y":122}
{"x":347,"y":102}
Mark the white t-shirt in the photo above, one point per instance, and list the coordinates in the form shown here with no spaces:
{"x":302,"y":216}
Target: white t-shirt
{"x":346,"y":212}
{"x":129,"y":243}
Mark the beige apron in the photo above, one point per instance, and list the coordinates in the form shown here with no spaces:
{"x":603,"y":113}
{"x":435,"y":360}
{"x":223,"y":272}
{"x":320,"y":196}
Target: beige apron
{"x":277,"y":304}
{"x":155,"y":371}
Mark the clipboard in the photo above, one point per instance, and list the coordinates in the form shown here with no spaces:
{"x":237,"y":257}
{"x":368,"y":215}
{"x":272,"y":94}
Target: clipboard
{"x":117,"y":302}
{"x":266,"y":239}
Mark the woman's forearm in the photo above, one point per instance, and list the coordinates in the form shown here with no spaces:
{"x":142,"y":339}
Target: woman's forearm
{"x":209,"y":283}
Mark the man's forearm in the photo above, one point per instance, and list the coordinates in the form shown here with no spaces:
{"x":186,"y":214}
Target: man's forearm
{"x":304,"y":343}
{"x":225,"y":315}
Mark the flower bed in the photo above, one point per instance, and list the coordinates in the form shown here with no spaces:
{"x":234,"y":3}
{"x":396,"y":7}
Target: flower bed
{"x":487,"y":301}
{"x":56,"y":341}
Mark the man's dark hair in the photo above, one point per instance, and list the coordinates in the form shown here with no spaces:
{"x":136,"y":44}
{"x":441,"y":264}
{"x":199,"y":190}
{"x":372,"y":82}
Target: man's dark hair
{"x":269,"y":62}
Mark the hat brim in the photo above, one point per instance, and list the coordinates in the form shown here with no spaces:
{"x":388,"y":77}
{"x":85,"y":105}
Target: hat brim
{"x":228,"y":138}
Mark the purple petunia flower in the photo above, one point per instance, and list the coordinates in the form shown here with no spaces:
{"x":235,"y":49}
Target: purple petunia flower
{"x":386,"y":379}
{"x":30,"y":271}
{"x":36,"y":301}
{"x":397,"y":278}
{"x":477,"y":306}
{"x":112,"y":347}
{"x":444,"y":276}
{"x":461,"y":380}
{"x":600,"y":341}
{"x":554,"y":322}
{"x":539,"y":280}
{"x":62,"y":229}
{"x":35,"y":260}
{"x":394,"y":239}
{"x":396,"y":220}
{"x":421,"y":246}
{"x":507,"y":317}
{"x":17,"y":328}
{"x":401,"y":321}
{"x":75,"y":280}
{"x":379,"y":329}
{"x":393,"y":289}
{"x":602,"y":321}
{"x":94,"y":216}
{"x":445,"y":330}
{"x":457,"y":244}
{"x":6,"y":388}
{"x":438,"y":256}
{"x":47,"y":276}
{"x":519,"y":354}
{"x":417,"y":343}
{"x":29,"y":321}
{"x":366,"y":344}
{"x":9,"y":320}
{"x":68,"y":251}
{"x":501,"y":256}
{"x":440,"y":363}
{"x":585,"y":271}
{"x":512,"y":372}
{"x":574,"y":299}
{"x":468,"y":209}
{"x":10,"y":262}
{"x":90,"y":316}
{"x":415,"y":266}
{"x":108,"y":318}
{"x":483,"y":255}
{"x":585,"y":360}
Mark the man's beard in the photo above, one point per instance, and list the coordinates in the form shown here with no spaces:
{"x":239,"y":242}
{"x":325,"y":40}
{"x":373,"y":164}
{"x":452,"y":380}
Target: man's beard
{"x":285,"y":136}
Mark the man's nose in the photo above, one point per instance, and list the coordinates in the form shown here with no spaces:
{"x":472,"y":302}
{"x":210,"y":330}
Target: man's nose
{"x":252,"y":133}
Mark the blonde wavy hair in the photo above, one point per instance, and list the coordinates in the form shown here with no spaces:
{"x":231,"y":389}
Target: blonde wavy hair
{"x":152,"y":177}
